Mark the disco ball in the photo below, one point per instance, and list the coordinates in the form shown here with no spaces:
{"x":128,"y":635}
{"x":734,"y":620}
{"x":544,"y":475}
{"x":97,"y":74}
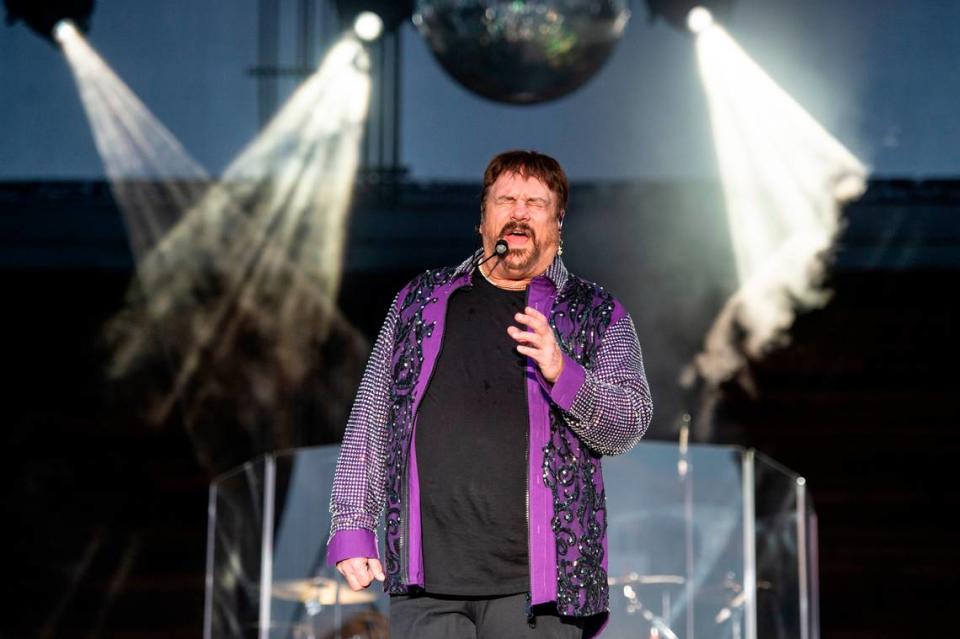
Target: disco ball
{"x":521,"y":52}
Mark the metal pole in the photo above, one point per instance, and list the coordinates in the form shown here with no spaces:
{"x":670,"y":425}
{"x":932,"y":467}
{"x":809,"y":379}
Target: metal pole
{"x":365,"y":144}
{"x":381,"y":116}
{"x":211,"y":564}
{"x":814,"y":573}
{"x":268,"y":24}
{"x":802,"y":558}
{"x":395,"y":163}
{"x":305,"y":45}
{"x":749,"y":545}
{"x":266,"y":545}
{"x":685,"y":470}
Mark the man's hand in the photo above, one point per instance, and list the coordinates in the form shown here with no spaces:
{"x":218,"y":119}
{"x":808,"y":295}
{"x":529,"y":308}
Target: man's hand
{"x":360,"y":571}
{"x":538,"y":343}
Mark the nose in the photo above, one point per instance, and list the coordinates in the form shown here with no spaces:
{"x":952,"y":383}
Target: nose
{"x":520,"y":211}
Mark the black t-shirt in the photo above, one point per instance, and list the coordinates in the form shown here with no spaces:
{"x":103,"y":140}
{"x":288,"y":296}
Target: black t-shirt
{"x":471,"y":439}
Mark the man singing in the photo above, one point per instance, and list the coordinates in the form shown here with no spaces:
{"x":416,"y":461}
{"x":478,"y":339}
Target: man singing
{"x":492,"y":392}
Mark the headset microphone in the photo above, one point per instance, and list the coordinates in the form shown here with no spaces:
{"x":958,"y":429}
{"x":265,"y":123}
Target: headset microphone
{"x":499,"y":250}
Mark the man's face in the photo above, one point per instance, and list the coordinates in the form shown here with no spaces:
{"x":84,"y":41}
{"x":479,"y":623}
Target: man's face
{"x":522,"y":211}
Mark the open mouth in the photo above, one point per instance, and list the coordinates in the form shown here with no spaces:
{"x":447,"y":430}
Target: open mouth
{"x":515,"y":235}
{"x":517,"y":238}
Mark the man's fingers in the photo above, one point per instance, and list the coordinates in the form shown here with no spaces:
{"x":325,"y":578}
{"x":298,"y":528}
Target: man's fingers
{"x":355,"y":565}
{"x":539,"y":344}
{"x":538,"y":324}
{"x":525,"y":337}
{"x":538,"y":317}
{"x":357,"y":572}
{"x":377,"y":569}
{"x":535,"y":313}
{"x":353,"y":582}
{"x":346,"y":569}
{"x":530,"y":352}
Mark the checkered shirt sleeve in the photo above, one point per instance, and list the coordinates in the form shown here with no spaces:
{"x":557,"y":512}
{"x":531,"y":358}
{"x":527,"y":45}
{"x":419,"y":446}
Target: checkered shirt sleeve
{"x":609,"y":405}
{"x":359,"y":485}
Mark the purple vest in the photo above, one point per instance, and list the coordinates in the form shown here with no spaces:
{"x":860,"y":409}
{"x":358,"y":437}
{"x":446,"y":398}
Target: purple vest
{"x":565,"y":497}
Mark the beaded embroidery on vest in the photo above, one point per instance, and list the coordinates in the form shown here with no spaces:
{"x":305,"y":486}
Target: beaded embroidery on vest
{"x":407,"y":363}
{"x":580,"y":317}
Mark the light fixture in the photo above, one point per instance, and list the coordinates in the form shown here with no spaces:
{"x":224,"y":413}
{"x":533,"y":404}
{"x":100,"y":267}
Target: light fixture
{"x":392,"y":13}
{"x":63,"y":30}
{"x":368,"y":26}
{"x":45,"y":18}
{"x":693,"y":15}
{"x":699,"y":19}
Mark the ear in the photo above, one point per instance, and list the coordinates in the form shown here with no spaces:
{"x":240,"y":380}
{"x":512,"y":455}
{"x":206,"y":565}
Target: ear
{"x":560,"y":219}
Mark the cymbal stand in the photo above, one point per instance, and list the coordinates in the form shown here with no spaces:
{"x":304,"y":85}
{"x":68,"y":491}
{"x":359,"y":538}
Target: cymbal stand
{"x":314,"y":607}
{"x":733,"y":611}
{"x":658,"y":627}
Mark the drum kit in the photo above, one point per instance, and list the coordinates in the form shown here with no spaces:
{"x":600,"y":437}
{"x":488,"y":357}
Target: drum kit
{"x":637,"y":590}
{"x":320,"y":593}
{"x":629,"y":586}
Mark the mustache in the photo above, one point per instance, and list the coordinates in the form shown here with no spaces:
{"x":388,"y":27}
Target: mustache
{"x":513,"y":226}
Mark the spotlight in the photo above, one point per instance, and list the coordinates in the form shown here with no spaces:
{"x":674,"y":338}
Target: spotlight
{"x":699,"y":19}
{"x":392,"y":13}
{"x":44,"y":18}
{"x":63,"y":30}
{"x":368,"y":26}
{"x":695,"y":15}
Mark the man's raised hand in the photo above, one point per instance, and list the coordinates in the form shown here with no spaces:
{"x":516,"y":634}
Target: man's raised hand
{"x":538,"y":343}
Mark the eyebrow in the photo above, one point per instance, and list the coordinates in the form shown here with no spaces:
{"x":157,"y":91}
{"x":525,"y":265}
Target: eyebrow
{"x":514,"y":197}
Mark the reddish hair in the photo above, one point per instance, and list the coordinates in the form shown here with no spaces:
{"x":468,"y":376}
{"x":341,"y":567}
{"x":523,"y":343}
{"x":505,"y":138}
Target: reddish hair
{"x":528,"y":164}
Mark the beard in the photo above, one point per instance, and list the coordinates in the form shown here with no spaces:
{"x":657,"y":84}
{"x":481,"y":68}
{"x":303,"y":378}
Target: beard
{"x":523,"y":259}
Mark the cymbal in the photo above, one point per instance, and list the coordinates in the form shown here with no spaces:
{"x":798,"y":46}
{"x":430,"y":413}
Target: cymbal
{"x":635,"y":578}
{"x":320,"y":590}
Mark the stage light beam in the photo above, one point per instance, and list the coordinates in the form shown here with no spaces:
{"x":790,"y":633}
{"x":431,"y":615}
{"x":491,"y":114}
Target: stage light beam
{"x":252,"y":258}
{"x":152,"y":176}
{"x":785,"y":179}
{"x":269,"y":237}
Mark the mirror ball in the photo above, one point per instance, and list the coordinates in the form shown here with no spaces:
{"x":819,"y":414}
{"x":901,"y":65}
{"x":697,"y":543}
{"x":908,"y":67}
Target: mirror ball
{"x":521,"y":52}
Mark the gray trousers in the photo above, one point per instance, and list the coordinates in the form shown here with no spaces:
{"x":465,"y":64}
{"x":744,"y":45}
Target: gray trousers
{"x":425,"y":616}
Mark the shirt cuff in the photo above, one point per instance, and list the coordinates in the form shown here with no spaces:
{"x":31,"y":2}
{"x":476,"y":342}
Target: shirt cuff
{"x":348,"y":544}
{"x":563,"y":391}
